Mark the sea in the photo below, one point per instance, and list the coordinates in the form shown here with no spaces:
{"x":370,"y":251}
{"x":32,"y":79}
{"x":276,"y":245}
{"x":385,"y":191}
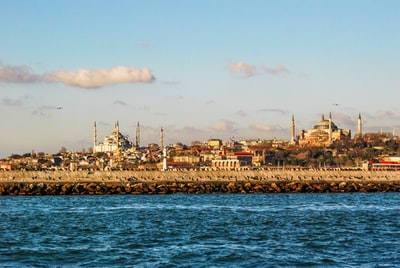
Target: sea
{"x":209,"y":230}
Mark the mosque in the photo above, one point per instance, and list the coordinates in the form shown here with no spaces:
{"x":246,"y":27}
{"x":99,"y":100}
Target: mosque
{"x":117,"y":142}
{"x":324,"y":133}
{"x":112,"y":143}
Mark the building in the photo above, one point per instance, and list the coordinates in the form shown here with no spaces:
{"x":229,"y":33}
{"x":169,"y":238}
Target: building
{"x":324,"y":133}
{"x":113,"y":143}
{"x":227,"y":164}
{"x":215,"y":143}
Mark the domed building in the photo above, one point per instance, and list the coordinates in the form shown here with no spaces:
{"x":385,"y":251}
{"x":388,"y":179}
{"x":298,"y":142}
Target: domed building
{"x":323,"y":133}
{"x":112,"y":143}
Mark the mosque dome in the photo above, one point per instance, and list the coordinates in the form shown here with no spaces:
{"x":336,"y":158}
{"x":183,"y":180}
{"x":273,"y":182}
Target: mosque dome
{"x":324,"y":124}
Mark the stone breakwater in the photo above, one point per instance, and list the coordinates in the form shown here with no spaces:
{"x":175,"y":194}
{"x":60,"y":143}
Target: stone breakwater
{"x":93,"y":188}
{"x":195,"y":182}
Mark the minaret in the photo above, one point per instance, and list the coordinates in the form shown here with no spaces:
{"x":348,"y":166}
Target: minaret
{"x":161,"y":139}
{"x":293,"y":130}
{"x":165,"y":167}
{"x":117,"y":133}
{"x":330,"y":127}
{"x":163,"y":149}
{"x":94,"y":137}
{"x":359,"y":126}
{"x":137,"y":134}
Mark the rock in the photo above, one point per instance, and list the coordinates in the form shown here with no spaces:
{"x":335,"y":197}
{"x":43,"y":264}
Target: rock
{"x":258,"y":188}
{"x":66,"y":188}
{"x":50,"y":190}
{"x":320,"y":187}
{"x":200,"y":187}
{"x":342,"y":185}
{"x":248,"y":186}
{"x":301,"y":188}
{"x":128,"y":189}
{"x":232,"y":187}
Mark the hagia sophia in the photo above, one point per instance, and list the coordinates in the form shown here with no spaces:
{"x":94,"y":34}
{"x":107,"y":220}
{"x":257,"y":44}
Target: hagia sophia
{"x":324,"y":133}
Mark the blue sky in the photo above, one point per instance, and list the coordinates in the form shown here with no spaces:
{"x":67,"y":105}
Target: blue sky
{"x":201,"y":69}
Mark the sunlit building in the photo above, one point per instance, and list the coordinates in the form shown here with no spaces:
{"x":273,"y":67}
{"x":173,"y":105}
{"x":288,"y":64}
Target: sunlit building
{"x":115,"y":142}
{"x":324,"y":133}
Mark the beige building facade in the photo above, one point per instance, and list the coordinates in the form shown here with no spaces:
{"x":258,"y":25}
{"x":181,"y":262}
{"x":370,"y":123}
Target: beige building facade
{"x":324,"y":133}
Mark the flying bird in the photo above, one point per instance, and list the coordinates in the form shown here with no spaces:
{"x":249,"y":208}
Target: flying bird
{"x":59,"y":107}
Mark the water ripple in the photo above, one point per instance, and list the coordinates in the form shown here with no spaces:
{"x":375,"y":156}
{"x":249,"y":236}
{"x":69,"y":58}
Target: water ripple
{"x":347,"y":230}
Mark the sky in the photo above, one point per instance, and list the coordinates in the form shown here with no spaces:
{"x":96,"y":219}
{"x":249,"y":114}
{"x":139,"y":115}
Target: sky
{"x":200,"y":69}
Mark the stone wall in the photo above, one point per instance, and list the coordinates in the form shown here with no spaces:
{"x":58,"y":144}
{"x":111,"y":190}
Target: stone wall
{"x":187,"y":175}
{"x":197,"y":182}
{"x":101,"y":188}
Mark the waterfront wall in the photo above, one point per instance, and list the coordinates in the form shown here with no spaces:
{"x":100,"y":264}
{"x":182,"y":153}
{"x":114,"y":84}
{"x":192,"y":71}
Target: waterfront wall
{"x":196,"y":182}
{"x":101,"y":188}
{"x":196,"y":175}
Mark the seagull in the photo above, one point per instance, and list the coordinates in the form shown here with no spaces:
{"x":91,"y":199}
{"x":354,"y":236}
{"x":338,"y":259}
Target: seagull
{"x":336,"y":104}
{"x":59,"y":107}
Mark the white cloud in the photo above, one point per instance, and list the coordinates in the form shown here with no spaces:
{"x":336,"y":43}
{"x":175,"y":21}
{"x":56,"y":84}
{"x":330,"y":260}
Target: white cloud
{"x":98,"y":78}
{"x":241,"y":113}
{"x":385,"y":114}
{"x":17,"y":74}
{"x":143,"y":45}
{"x":276,"y":70}
{"x":82,"y":78}
{"x":266,"y":128}
{"x":7,"y":101}
{"x":241,"y":67}
{"x":251,"y":70}
{"x":45,"y":110}
{"x":171,"y":82}
{"x":272,"y":110}
{"x":175,"y":97}
{"x":120,"y":102}
{"x":344,"y":121}
{"x":224,"y":125}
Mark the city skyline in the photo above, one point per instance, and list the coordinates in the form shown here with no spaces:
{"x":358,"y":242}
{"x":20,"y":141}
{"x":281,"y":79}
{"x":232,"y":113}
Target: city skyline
{"x":200,"y":70}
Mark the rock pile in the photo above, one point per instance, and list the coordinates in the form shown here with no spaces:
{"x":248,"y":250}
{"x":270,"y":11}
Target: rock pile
{"x":190,"y":187}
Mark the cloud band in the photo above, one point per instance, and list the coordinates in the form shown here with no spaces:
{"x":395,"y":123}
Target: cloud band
{"x":102,"y":77}
{"x":82,"y":78}
{"x":17,"y":74}
{"x":250,"y":70}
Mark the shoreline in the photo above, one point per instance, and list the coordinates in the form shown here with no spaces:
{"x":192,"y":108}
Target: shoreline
{"x":197,"y":175}
{"x":196,"y":182}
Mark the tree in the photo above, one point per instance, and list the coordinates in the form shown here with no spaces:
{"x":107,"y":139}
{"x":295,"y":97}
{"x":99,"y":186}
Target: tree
{"x":15,"y":156}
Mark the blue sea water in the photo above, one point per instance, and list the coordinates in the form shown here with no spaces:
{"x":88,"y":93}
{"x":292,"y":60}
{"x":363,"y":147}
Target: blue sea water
{"x":217,"y":230}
